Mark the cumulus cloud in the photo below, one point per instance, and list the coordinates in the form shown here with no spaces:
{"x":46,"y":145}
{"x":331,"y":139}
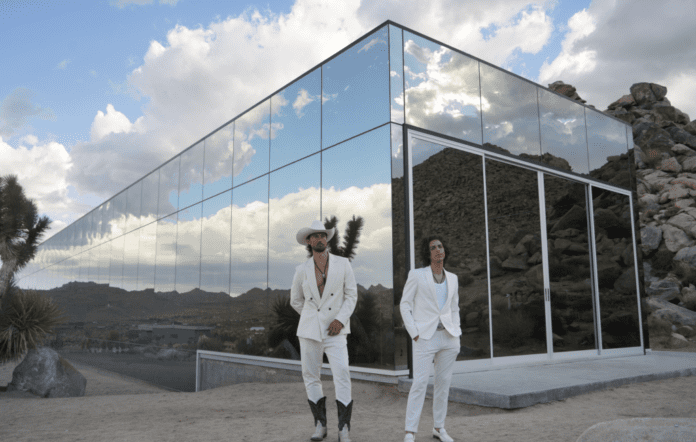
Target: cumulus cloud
{"x":113,"y":122}
{"x":63,"y":64}
{"x":42,"y":168}
{"x":612,"y":45}
{"x":17,"y":108}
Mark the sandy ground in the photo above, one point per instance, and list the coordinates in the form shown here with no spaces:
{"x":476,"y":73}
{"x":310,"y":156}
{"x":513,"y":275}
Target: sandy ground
{"x":117,"y":408}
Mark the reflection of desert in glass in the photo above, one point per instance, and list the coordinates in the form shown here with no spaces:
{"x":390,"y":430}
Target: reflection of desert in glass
{"x":618,"y":302}
{"x":448,"y":200}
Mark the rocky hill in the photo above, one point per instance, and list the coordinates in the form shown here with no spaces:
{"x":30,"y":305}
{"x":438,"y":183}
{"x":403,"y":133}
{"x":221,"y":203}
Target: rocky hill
{"x":665,"y":158}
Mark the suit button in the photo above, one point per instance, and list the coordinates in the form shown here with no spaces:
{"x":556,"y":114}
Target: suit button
{"x":329,"y":308}
{"x":332,"y":294}
{"x":310,"y":299}
{"x":317,"y":309}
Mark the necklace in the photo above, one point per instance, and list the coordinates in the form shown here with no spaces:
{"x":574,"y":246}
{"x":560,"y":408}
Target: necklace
{"x":436,"y":277}
{"x":323,"y":273}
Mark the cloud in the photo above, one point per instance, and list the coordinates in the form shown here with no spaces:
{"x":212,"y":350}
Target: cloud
{"x":112,"y":122}
{"x":63,"y":64}
{"x":42,"y":169}
{"x":612,"y":45}
{"x":17,"y":108}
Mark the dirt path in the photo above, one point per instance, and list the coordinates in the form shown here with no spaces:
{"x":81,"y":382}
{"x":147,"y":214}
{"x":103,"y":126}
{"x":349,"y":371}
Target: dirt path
{"x":111,"y":411}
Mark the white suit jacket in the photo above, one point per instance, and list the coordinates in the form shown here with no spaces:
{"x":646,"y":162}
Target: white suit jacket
{"x":419,"y":307}
{"x":337,"y":302}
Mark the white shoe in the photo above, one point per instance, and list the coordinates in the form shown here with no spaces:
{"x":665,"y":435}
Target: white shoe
{"x":442,"y":435}
{"x":409,"y":438}
{"x":344,"y":435}
{"x":319,"y":433}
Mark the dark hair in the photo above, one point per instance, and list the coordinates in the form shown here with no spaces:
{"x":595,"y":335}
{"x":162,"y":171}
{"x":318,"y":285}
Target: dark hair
{"x":425,"y":249}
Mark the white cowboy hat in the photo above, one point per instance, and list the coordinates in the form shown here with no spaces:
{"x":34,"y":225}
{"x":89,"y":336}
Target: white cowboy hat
{"x":317,"y":226}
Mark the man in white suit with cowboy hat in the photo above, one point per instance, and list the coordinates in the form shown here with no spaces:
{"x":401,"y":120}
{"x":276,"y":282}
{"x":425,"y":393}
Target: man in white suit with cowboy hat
{"x":324,"y":293}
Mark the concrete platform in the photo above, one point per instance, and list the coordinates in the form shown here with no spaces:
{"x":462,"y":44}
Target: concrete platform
{"x":523,"y":386}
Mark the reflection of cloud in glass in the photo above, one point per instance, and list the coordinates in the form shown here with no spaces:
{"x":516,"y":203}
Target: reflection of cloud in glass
{"x":442,"y":89}
{"x":303,"y":99}
{"x":563,"y":130}
{"x":218,"y":161}
{"x":251,"y":143}
{"x":367,"y":46}
{"x":510,"y":112}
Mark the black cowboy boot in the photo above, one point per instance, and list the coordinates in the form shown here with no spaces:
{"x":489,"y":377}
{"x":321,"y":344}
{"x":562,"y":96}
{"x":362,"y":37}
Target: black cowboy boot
{"x":319,"y":413}
{"x":344,"y":413}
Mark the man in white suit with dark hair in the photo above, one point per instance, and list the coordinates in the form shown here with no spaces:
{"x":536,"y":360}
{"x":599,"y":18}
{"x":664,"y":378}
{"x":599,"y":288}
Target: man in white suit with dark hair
{"x":324,"y":293}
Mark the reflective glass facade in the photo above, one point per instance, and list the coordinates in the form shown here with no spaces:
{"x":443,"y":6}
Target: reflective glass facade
{"x":200,"y":253}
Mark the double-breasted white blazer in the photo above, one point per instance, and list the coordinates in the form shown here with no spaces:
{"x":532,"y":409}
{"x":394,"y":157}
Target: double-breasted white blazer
{"x":337,"y":302}
{"x":419,"y":307}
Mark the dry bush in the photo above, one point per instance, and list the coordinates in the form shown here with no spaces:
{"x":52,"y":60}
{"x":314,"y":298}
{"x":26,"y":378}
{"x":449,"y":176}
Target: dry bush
{"x":25,"y":319}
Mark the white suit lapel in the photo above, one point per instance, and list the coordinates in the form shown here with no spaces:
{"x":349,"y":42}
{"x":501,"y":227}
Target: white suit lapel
{"x":311,"y":279}
{"x":430,"y":283}
{"x":331,"y":278}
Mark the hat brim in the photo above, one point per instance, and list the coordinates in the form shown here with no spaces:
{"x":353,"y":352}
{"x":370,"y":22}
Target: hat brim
{"x":304,"y":233}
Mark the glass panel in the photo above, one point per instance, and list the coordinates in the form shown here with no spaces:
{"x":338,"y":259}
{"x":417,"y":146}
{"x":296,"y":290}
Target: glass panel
{"x":118,"y":218}
{"x":396,"y":74}
{"x":249,"y":236}
{"x":132,"y":215}
{"x":215,"y":244}
{"x":218,"y":161}
{"x":295,"y":198}
{"x":442,"y":89}
{"x":249,"y":269}
{"x":516,"y":269}
{"x":148,"y":211}
{"x":618,"y":302}
{"x":570,"y":274}
{"x":440,"y":173}
{"x":116,"y":270}
{"x":563,"y":132}
{"x":165,"y":267}
{"x":146,"y":256}
{"x":294,"y":204}
{"x":188,"y":249}
{"x":296,"y":120}
{"x":91,"y":273}
{"x":356,"y":89}
{"x":608,"y":151}
{"x":191,"y":176}
{"x":399,"y":337}
{"x":130,"y":261}
{"x":251,"y":144}
{"x":510,"y":112}
{"x":365,"y":192}
{"x":168,"y":199}
{"x":103,"y":231}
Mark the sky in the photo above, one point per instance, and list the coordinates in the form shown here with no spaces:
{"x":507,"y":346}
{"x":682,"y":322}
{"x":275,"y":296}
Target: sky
{"x":96,"y":94}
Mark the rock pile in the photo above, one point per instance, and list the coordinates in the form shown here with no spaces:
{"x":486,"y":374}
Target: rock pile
{"x":665,"y":156}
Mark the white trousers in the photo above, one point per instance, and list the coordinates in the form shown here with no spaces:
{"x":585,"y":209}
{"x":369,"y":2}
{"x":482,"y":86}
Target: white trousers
{"x":444,"y":348}
{"x":312,"y":352}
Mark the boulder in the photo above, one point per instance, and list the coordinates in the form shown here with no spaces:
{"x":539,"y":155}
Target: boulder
{"x":45,"y":373}
{"x":626,"y":102}
{"x":643,"y":93}
{"x":682,"y":220}
{"x":688,"y":255}
{"x":691,"y":127}
{"x":685,"y":331}
{"x":681,"y":136}
{"x":683,"y":204}
{"x":652,"y":139}
{"x":650,"y":238}
{"x":688,"y":297}
{"x":665,"y":289}
{"x":678,"y":341}
{"x":689,"y":164}
{"x":675,"y":238}
{"x":671,"y":313}
{"x":516,"y":263}
{"x":566,"y":89}
{"x":671,"y":165}
{"x":682,"y":149}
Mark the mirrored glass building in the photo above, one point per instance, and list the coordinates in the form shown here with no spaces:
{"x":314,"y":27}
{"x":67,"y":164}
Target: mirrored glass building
{"x":531,"y":190}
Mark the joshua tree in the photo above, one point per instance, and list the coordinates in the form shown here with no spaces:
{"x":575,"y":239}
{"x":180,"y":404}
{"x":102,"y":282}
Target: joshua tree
{"x":20,"y":230}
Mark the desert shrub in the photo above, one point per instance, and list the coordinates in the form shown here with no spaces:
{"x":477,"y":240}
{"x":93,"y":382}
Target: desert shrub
{"x":25,"y":319}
